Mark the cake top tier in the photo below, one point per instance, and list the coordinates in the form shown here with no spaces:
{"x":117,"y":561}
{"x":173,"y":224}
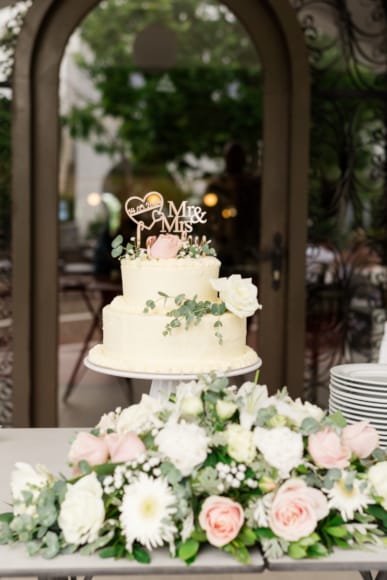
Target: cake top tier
{"x":144,"y":278}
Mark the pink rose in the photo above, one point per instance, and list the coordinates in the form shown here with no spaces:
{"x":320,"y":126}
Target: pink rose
{"x":221,"y":518}
{"x":361,"y":438}
{"x":166,"y":246}
{"x":88,"y":447}
{"x":296,"y":509}
{"x":124,"y":446}
{"x":327,"y":449}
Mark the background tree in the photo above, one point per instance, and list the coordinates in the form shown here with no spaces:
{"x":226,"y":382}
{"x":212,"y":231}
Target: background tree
{"x":212,"y":94}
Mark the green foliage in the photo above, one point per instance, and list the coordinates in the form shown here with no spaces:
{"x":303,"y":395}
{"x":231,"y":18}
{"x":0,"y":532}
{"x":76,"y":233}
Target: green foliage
{"x":164,"y":114}
{"x":188,"y":550}
{"x":189,"y":312}
{"x":140,"y":554}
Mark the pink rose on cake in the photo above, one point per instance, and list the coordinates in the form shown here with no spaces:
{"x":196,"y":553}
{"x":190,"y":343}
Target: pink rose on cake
{"x":239,"y":294}
{"x":165,"y":246}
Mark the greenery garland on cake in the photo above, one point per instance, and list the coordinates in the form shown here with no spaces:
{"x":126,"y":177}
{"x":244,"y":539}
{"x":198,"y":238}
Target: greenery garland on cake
{"x":215,"y":465}
{"x":236,"y":294}
{"x":171,"y":247}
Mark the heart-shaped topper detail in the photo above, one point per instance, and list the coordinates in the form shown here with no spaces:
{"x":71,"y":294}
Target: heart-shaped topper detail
{"x":146,"y":210}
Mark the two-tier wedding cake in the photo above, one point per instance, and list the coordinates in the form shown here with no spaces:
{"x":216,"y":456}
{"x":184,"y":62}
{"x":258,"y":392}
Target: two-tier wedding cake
{"x":175,"y":314}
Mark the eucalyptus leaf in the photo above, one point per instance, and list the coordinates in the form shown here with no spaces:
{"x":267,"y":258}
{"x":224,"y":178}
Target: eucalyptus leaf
{"x":170,"y":472}
{"x":116,"y":252}
{"x":50,"y":545}
{"x":33,"y":547}
{"x":117,"y":241}
{"x":5,"y":533}
{"x":309,"y":426}
{"x":337,"y":419}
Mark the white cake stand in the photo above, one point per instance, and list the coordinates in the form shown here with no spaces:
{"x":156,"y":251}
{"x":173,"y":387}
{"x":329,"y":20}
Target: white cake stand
{"x":164,"y":384}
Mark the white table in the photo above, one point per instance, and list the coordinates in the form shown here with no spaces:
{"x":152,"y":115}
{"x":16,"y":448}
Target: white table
{"x":50,"y":447}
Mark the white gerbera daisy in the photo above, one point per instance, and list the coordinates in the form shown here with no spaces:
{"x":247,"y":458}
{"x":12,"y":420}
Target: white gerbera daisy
{"x":146,"y":512}
{"x":349,"y":498}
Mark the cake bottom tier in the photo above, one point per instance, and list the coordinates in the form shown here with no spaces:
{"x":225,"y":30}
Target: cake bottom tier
{"x":135,"y":342}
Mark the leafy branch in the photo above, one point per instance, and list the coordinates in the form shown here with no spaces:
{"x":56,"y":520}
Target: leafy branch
{"x":189,"y":312}
{"x":196,"y":250}
{"x":119,"y":250}
{"x":193,"y":250}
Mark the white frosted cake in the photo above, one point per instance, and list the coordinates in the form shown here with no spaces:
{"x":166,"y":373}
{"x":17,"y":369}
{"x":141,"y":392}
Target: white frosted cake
{"x":170,"y":318}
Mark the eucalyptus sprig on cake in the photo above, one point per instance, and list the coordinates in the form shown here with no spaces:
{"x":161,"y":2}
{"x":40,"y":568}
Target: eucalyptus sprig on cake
{"x":189,"y":312}
{"x":164,"y":246}
{"x":119,"y":250}
{"x":236,"y":294}
{"x":196,"y":248}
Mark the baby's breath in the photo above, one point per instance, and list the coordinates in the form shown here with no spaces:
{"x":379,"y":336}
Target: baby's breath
{"x":196,"y":250}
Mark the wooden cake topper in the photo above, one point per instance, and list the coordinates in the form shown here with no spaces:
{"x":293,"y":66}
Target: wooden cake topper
{"x":148,"y":211}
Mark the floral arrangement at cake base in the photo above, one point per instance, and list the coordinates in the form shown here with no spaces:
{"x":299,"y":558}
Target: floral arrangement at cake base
{"x":233,"y":468}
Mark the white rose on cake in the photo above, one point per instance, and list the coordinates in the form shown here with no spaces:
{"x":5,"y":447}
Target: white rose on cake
{"x":239,"y":294}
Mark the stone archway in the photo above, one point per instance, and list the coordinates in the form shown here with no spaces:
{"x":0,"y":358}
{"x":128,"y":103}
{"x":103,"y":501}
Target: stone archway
{"x":273,"y":29}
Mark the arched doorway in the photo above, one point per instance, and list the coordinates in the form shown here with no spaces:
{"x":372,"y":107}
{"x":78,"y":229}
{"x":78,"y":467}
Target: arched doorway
{"x":279,"y":41}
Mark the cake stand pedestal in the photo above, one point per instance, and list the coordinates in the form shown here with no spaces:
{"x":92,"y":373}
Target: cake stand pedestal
{"x":164,"y":384}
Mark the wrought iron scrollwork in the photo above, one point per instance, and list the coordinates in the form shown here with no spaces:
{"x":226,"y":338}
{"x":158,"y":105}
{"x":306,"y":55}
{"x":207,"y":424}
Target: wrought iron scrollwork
{"x":347,"y":44}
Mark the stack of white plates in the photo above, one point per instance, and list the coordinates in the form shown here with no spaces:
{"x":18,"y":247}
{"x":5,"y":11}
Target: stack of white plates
{"x":359,"y":391}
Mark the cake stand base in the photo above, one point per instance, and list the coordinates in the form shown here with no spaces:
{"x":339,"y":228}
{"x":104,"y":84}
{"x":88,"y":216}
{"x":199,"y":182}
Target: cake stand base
{"x":164,"y":384}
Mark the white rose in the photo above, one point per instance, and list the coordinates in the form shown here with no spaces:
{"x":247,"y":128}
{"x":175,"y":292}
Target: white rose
{"x":184,"y":444}
{"x":240,"y":443}
{"x":377,"y":476}
{"x":225,"y":409}
{"x":26,"y":479}
{"x":250,"y":399}
{"x":280,"y":447}
{"x":140,"y":417}
{"x":82,"y":512}
{"x":239,"y":294}
{"x":191,"y":406}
